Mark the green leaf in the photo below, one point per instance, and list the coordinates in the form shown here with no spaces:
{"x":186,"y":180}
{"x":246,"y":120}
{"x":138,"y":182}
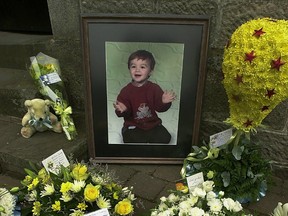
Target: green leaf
{"x":225,"y":178}
{"x":237,"y":152}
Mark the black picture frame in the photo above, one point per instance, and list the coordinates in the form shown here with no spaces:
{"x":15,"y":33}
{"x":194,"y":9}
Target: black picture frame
{"x":192,"y":31}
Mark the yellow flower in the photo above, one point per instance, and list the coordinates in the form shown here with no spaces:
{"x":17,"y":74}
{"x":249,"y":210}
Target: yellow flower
{"x":181,"y":187}
{"x":33,"y":184}
{"x":115,"y":195}
{"x":210,"y":174}
{"x":79,"y":172}
{"x":91,"y":193}
{"x":66,"y":186}
{"x":36,"y":208}
{"x":43,"y":175}
{"x":56,"y":206}
{"x":124,"y":207}
{"x":50,"y":67}
{"x":27,"y":180}
{"x":82,"y":206}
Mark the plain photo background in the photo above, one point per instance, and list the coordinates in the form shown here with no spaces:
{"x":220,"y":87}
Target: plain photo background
{"x":167,"y":74}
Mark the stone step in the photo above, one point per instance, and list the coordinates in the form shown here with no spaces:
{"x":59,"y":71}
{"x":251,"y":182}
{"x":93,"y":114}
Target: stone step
{"x":16,"y":86}
{"x":16,"y":152}
{"x":16,"y":49}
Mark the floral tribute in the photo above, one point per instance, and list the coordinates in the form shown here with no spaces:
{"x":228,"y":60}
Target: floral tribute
{"x":202,"y":200}
{"x":46,"y":73}
{"x":75,"y":190}
{"x":255,"y":67}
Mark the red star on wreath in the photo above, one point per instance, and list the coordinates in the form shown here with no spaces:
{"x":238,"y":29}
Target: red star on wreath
{"x":236,"y":98}
{"x":248,"y":123}
{"x":250,"y":56}
{"x":239,"y":79}
{"x":259,"y":32}
{"x":264,"y":108}
{"x":277,"y":64}
{"x":270,"y":93}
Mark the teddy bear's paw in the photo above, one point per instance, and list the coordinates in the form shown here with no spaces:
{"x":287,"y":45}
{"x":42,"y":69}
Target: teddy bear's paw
{"x":57,"y":128}
{"x":26,"y":132}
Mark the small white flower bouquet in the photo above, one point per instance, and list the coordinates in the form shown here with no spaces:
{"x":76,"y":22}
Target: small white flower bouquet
{"x":201,"y":201}
{"x":46,"y":73}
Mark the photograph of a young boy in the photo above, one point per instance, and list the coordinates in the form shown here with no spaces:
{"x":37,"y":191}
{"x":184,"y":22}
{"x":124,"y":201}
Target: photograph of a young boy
{"x":140,"y":100}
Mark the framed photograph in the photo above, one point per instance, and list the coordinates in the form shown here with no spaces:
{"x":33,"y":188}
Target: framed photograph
{"x":144,"y":81}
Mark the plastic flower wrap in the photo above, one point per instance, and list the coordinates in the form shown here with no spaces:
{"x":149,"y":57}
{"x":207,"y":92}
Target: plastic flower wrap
{"x":202,"y":200}
{"x":75,"y":190}
{"x":255,"y":66}
{"x":46,"y":73}
{"x":7,"y":202}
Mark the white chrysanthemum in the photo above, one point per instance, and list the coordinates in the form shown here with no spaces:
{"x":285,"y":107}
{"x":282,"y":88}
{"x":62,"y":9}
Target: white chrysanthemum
{"x":98,"y":179}
{"x":215,"y":205}
{"x":163,"y":199}
{"x":172,"y":198}
{"x":208,"y":185}
{"x":66,"y":197}
{"x":232,"y":205}
{"x":192,"y":200}
{"x":167,"y":212}
{"x":31,"y":196}
{"x":199,"y":192}
{"x":210,"y":195}
{"x":163,"y":207}
{"x":48,"y":190}
{"x":237,"y":207}
{"x":131,"y":196}
{"x":197,"y":211}
{"x":76,"y":213}
{"x":77,"y":186}
{"x":103,"y":203}
{"x":7,"y":201}
{"x":184,"y":204}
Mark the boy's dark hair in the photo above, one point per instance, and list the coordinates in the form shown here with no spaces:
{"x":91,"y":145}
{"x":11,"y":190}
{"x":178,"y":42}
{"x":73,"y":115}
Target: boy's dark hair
{"x":143,"y":55}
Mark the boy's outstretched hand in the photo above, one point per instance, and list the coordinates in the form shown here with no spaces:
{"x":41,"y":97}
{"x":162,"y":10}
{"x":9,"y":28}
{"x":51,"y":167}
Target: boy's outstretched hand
{"x":168,"y":96}
{"x":119,"y":107}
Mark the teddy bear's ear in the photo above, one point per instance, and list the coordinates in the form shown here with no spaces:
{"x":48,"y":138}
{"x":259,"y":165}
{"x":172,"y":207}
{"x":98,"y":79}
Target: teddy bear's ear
{"x":48,"y":102}
{"x":28,"y":103}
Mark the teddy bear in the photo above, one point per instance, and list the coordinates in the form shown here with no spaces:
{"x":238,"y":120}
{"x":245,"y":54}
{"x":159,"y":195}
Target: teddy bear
{"x":39,"y":118}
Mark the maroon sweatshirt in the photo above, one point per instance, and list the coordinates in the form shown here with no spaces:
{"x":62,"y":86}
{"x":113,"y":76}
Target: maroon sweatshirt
{"x":142,"y":104}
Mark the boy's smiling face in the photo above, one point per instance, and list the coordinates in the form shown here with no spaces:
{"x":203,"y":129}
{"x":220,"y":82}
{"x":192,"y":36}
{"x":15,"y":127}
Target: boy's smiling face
{"x":140,"y":71}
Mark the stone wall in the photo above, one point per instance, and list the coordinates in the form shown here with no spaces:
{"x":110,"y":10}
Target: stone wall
{"x":226,"y":16}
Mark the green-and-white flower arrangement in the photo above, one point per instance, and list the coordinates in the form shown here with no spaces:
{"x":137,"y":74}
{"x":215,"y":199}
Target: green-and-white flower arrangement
{"x":77,"y":189}
{"x":201,"y":201}
{"x":7,"y":202}
{"x":256,"y":81}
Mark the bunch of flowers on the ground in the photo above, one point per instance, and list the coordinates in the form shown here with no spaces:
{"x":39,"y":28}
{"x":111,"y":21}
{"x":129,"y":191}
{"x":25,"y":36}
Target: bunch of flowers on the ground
{"x":238,"y":168}
{"x":46,"y":73}
{"x":202,"y":200}
{"x":7,"y":202}
{"x":75,"y":190}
